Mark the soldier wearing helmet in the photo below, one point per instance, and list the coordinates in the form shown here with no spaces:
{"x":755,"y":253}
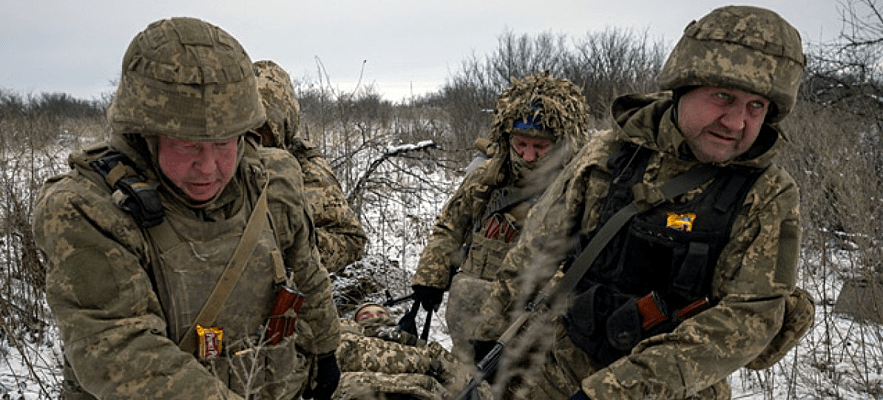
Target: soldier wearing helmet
{"x":341,"y":239}
{"x":539,"y":123}
{"x":167,"y":245}
{"x":693,"y":286}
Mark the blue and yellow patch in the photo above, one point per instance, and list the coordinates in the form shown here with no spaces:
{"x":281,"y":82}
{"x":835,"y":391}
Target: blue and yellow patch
{"x":681,"y":222}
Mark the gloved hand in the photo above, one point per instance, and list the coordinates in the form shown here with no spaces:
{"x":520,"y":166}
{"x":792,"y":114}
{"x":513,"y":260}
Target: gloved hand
{"x":579,"y":396}
{"x":327,"y":378}
{"x":430,"y":297}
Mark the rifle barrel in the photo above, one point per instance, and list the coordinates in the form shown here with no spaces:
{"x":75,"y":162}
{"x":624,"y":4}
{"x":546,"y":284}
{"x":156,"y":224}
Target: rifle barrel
{"x":392,"y":302}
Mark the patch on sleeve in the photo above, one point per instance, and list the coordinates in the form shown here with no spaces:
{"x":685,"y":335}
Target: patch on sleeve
{"x":92,"y":279}
{"x":789,"y":250}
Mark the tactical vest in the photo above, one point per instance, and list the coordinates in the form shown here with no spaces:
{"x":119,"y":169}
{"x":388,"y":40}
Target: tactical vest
{"x":188,"y":257}
{"x":665,"y":256}
{"x":187,"y":260}
{"x":496,"y":232}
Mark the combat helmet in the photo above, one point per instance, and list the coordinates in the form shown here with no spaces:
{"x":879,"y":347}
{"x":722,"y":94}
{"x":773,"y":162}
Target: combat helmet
{"x":277,"y":96}
{"x":741,"y":47}
{"x":540,"y":105}
{"x":186,"y":79}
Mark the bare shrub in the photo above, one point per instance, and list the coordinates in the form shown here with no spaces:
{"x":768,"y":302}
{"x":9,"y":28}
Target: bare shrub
{"x":611,"y":63}
{"x":834,"y":154}
{"x":603,"y":64}
{"x":35,"y":137}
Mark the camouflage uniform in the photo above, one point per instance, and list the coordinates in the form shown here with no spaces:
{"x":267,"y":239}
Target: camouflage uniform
{"x":754,"y":273}
{"x":472,"y":222}
{"x":341,"y":237}
{"x":122,"y":300}
{"x":377,"y":357}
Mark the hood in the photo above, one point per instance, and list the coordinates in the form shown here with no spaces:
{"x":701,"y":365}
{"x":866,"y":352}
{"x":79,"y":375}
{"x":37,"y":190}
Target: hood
{"x":648,"y":120}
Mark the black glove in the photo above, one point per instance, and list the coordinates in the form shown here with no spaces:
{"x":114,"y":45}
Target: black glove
{"x":579,"y":396}
{"x":327,"y":378}
{"x":430,"y":297}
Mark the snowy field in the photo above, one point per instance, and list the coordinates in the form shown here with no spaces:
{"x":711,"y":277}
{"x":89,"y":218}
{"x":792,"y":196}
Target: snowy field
{"x":838,"y":359}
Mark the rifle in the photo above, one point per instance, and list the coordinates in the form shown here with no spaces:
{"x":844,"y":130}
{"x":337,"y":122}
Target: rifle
{"x":578,"y":267}
{"x":390,"y":301}
{"x":491,"y":360}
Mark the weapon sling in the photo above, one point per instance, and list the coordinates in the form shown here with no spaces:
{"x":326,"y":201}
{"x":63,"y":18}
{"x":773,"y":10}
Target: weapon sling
{"x":257,"y":222}
{"x":644,"y":200}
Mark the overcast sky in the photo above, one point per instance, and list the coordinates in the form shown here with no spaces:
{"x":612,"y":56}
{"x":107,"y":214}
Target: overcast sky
{"x":399,"y":46}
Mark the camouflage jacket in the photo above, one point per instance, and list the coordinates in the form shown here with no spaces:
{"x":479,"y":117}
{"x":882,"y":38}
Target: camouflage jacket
{"x":376,"y":353}
{"x":754,"y":274}
{"x":341,"y":237}
{"x":100,"y":287}
{"x":452,"y":227}
{"x":447,"y":247}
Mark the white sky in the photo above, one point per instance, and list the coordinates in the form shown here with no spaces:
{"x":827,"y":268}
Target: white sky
{"x":76,"y":46}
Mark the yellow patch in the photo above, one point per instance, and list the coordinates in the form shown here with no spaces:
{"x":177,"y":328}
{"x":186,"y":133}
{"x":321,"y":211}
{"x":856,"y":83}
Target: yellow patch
{"x":681,"y":222}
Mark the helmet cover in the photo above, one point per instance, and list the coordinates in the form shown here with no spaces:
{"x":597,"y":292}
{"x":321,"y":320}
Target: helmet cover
{"x":741,"y":47}
{"x":277,"y":96}
{"x":186,"y":79}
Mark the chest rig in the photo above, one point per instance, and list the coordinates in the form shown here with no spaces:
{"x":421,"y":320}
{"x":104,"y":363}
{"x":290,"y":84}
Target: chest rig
{"x":188,"y":254}
{"x":656,"y":270}
{"x":495,"y":232}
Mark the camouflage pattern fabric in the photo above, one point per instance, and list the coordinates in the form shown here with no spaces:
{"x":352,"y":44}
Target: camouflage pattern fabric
{"x":380,"y":386}
{"x":556,"y":102}
{"x":754,"y":276}
{"x":341,"y":237}
{"x":561,"y":108}
{"x":340,"y":234}
{"x":187,"y":79}
{"x":743,"y":47}
{"x":465,"y":298}
{"x":99,"y":284}
{"x":800,"y":312}
{"x":280,"y":104}
{"x":564,"y":112}
{"x":375,"y":360}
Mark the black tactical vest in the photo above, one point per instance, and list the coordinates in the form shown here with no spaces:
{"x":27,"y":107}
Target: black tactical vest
{"x":668,"y":252}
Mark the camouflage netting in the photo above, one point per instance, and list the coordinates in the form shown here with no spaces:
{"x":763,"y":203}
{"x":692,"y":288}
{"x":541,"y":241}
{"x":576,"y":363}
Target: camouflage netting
{"x":556,"y":103}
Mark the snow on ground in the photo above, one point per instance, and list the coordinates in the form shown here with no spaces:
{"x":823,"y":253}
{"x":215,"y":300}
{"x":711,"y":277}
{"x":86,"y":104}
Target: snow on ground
{"x":35,"y":372}
{"x":838,"y":359}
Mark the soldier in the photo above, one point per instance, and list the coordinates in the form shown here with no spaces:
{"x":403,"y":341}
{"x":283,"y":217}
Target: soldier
{"x":341,"y":237}
{"x":727,"y":245}
{"x":379,"y":360}
{"x":168,"y":244}
{"x":540,"y":122}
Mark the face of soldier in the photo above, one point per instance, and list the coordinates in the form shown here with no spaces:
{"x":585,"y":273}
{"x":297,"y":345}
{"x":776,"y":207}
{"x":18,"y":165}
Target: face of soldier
{"x":530,"y":148}
{"x":199,"y":169}
{"x":720,"y":124}
{"x":371,"y":312}
{"x":267,"y":138}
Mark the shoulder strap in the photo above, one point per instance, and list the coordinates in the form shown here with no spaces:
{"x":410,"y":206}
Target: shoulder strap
{"x":503,"y":198}
{"x":644,"y":200}
{"x":257,"y":222}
